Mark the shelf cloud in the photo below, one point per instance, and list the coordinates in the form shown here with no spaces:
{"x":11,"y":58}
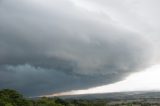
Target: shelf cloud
{"x":49,"y":46}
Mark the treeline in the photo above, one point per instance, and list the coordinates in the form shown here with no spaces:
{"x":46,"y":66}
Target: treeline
{"x":13,"y":98}
{"x":10,"y":97}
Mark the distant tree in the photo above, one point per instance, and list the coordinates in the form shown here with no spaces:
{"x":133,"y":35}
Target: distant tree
{"x":61,"y":101}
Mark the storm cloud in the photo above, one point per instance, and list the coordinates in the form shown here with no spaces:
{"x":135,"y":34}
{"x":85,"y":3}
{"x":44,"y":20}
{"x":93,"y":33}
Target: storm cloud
{"x":49,"y":46}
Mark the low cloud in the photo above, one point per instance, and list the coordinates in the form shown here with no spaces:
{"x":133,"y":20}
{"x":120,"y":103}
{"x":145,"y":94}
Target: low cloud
{"x":51,"y":46}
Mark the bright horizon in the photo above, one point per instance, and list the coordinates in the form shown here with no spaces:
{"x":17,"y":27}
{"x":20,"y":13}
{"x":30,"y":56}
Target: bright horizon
{"x":146,"y":80}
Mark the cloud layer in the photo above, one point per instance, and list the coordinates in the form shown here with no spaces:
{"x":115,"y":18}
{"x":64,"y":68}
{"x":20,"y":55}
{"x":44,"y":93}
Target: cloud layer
{"x":51,"y":46}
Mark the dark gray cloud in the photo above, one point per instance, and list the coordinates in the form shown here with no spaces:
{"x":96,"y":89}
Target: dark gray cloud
{"x":51,"y":46}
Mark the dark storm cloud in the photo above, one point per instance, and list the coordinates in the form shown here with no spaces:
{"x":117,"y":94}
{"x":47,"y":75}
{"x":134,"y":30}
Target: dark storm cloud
{"x":42,"y":81}
{"x":50,"y":46}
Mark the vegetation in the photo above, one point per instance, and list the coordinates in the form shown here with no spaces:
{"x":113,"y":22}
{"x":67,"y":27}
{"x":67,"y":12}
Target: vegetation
{"x":13,"y":98}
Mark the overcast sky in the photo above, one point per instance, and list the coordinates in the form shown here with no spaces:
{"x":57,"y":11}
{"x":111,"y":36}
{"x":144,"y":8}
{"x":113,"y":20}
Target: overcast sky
{"x":49,"y":46}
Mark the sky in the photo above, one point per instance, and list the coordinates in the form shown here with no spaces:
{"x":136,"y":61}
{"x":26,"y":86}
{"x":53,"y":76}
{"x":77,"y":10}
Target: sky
{"x":50,"y":46}
{"x":143,"y":81}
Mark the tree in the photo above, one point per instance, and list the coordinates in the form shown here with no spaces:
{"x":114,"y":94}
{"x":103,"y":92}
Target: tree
{"x":10,"y":97}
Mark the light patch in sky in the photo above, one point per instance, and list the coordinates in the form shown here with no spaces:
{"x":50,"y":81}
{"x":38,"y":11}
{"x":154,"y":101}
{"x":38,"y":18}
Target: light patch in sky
{"x":147,"y":80}
{"x":86,"y":5}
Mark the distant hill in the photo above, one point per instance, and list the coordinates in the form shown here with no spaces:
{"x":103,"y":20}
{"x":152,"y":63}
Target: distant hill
{"x":120,"y":95}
